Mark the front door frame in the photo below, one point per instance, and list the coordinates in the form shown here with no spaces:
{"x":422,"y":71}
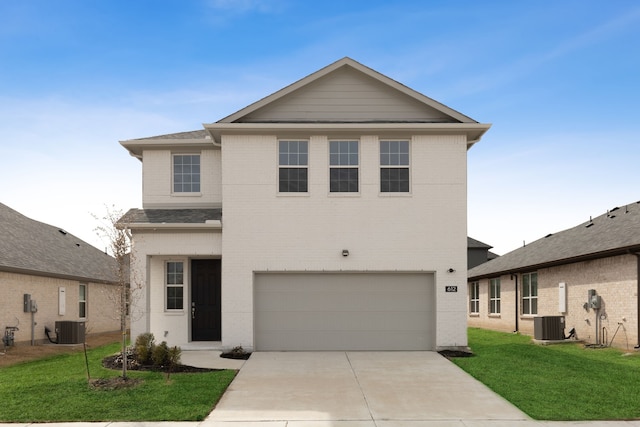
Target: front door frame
{"x":205,"y":306}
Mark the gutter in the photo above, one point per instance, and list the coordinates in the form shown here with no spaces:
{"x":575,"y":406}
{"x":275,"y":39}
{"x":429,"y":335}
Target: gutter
{"x":208,"y":225}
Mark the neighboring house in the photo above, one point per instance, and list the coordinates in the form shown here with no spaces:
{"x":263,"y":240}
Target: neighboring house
{"x":478,"y":253}
{"x":559,"y":275}
{"x":330,"y":215}
{"x":68,"y":279}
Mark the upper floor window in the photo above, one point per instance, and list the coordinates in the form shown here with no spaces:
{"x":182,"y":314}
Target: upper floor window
{"x":343,"y":171}
{"x":394,"y":166}
{"x":494,"y":296}
{"x":293,"y":161}
{"x":186,"y":173}
{"x":530,"y":293}
{"x":474,"y":298}
{"x":174,"y":283}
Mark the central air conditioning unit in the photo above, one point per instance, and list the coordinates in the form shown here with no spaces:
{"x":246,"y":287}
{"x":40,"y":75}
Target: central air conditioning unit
{"x":548,"y":328}
{"x":70,"y":332}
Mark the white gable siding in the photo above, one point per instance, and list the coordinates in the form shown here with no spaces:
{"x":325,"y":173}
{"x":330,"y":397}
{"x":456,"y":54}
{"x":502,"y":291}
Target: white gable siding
{"x":347,"y":96}
{"x":266,"y":231}
{"x":157,"y":181}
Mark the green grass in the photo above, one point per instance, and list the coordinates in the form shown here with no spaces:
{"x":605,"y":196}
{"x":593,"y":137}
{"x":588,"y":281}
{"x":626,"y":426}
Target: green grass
{"x":556,"y":382}
{"x":56,"y":390}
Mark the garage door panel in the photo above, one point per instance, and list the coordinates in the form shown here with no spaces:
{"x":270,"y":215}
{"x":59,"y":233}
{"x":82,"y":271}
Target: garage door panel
{"x":349,"y":321}
{"x":362,"y":341}
{"x":297,"y":300}
{"x":338,"y":311}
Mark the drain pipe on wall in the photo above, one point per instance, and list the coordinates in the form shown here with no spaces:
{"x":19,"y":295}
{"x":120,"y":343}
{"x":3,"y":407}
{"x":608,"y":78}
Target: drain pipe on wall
{"x":515,"y":276}
{"x":637,"y":347}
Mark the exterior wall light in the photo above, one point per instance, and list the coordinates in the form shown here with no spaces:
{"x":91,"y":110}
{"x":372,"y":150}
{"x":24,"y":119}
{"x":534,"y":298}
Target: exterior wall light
{"x":345,"y":252}
{"x":451,"y":270}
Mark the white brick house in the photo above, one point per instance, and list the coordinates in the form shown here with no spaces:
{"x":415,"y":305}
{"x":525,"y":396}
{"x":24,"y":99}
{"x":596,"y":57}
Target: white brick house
{"x":330,"y":215}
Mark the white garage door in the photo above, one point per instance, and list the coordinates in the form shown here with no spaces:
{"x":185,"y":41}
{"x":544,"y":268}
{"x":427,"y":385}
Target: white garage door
{"x":344,"y":311}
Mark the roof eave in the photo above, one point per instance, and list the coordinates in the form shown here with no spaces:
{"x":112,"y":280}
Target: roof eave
{"x":208,"y":225}
{"x":473,"y":131}
{"x":571,"y":260}
{"x":137,"y":146}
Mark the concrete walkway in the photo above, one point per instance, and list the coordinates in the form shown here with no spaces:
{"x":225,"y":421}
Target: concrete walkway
{"x":350,"y":389}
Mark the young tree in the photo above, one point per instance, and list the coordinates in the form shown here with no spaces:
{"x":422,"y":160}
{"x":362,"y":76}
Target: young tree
{"x":119,"y":241}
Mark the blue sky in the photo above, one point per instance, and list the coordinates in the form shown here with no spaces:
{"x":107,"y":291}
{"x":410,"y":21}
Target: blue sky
{"x":559,"y":81}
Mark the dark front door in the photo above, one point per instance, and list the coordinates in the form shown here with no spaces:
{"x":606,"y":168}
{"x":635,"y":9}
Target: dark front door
{"x":205,"y":300}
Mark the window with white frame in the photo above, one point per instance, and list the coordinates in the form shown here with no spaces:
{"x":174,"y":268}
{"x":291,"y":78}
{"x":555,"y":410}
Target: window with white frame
{"x":344,"y":162}
{"x":474,"y":298}
{"x":174,"y":283}
{"x":530,"y":293}
{"x":293,"y":160}
{"x":494,"y":296}
{"x":186,"y":173}
{"x":394,"y":166}
{"x":82,"y":301}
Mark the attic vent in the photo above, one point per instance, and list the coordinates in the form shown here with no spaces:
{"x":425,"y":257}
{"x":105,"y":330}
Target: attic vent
{"x":64,"y":233}
{"x":548,"y":235}
{"x":615,"y":209}
{"x":590,"y":223}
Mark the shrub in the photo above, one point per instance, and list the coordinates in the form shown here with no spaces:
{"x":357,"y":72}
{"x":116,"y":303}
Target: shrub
{"x":145,"y":344}
{"x":160,"y":354}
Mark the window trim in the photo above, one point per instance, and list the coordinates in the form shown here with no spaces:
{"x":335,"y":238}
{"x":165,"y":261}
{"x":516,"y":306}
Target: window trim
{"x":530,"y":298}
{"x":168,"y":285}
{"x":474,"y":302}
{"x":296,"y":166}
{"x":82,"y":302}
{"x":173,"y":175}
{"x":348,"y":166}
{"x":398,"y":166}
{"x":494,"y":297}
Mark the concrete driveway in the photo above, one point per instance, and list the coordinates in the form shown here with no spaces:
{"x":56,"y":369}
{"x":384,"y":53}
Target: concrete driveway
{"x":362,"y":389}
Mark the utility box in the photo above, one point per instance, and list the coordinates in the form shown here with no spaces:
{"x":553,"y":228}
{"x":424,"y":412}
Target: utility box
{"x":70,"y":332}
{"x":548,"y":328}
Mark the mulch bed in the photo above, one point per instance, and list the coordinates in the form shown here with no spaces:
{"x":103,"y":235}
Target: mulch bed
{"x":115,"y":362}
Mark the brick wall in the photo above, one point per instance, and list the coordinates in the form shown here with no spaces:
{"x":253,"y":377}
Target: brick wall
{"x":102,"y":315}
{"x":613,"y":278}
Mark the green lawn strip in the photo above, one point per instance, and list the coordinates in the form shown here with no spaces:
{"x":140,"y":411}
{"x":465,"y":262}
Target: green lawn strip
{"x":55,"y":390}
{"x":556,"y":382}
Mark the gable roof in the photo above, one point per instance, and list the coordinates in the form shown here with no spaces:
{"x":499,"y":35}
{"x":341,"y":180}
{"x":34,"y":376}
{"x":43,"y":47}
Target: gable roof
{"x":31,"y":247}
{"x":613,"y":233}
{"x":345,"y":97}
{"x":444,"y":113}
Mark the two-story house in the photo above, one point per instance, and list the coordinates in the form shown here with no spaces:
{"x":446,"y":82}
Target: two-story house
{"x":330,"y":215}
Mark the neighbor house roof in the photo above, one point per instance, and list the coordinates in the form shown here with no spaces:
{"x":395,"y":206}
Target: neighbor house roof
{"x":31,"y":247}
{"x":613,"y":233}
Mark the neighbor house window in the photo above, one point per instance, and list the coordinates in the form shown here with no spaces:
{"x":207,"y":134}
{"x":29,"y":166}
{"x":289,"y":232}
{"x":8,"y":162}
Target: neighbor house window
{"x":494,"y":296}
{"x":394,"y":166}
{"x":186,"y":173}
{"x":175,"y":285}
{"x":293,"y":164}
{"x":344,"y":161}
{"x":474,"y":298}
{"x":530,"y":293}
{"x":82,"y":301}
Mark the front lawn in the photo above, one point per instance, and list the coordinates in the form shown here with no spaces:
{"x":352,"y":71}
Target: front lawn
{"x":556,"y":382}
{"x":56,"y":390}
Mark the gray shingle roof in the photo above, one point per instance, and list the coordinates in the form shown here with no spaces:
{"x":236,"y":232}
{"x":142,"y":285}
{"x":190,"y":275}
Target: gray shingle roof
{"x":196,"y":134}
{"x":615,"y":232}
{"x":170,"y":216}
{"x":32,"y":247}
{"x":477,"y":244}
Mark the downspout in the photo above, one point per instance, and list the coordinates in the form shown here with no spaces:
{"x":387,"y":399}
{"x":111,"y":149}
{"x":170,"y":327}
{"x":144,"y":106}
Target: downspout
{"x":637,"y":254}
{"x":517,"y":306}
